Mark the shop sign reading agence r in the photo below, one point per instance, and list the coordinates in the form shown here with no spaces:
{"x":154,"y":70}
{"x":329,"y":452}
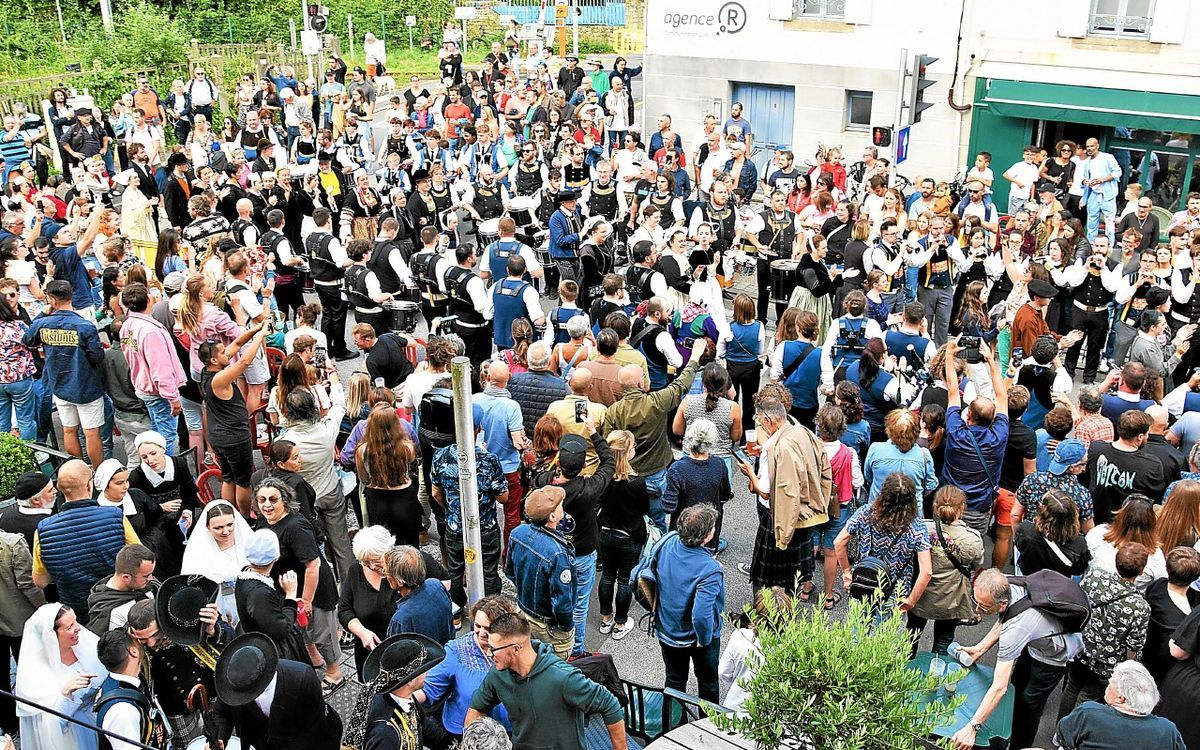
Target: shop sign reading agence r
{"x":730,"y":18}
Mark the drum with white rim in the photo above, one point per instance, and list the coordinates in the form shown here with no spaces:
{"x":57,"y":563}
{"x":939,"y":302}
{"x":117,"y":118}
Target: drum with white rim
{"x":488,"y":232}
{"x":785,"y":277}
{"x":199,"y":743}
{"x":523,"y":210}
{"x":404,"y":315}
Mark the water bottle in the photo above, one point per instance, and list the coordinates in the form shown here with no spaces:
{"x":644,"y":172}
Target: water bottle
{"x":956,"y":651}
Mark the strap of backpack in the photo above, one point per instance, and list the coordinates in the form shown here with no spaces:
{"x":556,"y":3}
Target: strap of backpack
{"x":958,"y":564}
{"x":993,"y":481}
{"x":795,"y":364}
{"x":1015,"y":609}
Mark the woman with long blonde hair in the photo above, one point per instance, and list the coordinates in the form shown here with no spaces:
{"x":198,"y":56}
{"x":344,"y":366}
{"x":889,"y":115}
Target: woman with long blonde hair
{"x":385,"y":459}
{"x":624,"y":510}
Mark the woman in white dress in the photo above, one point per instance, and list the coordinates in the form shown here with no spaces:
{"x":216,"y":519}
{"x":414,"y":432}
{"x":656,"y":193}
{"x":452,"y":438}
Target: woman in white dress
{"x":706,"y":288}
{"x":58,"y":668}
{"x":137,"y":217}
{"x":216,"y":550}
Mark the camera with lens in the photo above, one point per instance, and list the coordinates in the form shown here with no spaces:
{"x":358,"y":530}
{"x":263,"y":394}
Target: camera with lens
{"x":970,"y":349}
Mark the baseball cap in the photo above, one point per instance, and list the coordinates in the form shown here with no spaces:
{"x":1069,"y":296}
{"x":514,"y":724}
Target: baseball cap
{"x":174,"y":281}
{"x":572,"y":451}
{"x":1067,"y":454}
{"x":540,"y":503}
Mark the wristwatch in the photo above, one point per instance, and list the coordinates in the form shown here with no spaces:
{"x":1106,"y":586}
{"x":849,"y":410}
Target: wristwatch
{"x":976,"y":726}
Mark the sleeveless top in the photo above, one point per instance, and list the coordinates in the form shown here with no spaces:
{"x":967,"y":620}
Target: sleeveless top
{"x":720,"y":416}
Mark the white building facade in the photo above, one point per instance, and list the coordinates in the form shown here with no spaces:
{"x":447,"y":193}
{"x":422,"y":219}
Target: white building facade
{"x":1020,"y":72}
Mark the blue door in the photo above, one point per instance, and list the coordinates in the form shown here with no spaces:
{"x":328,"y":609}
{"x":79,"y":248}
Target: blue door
{"x":770,"y":110}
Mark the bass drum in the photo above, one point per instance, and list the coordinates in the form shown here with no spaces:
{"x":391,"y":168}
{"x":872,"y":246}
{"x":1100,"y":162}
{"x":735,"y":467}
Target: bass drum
{"x":785,"y":276}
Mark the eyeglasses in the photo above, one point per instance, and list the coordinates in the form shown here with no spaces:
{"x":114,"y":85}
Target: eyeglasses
{"x":976,"y":192}
{"x":493,"y":650}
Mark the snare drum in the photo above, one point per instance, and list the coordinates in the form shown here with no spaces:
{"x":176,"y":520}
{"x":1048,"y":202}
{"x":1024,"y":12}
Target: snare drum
{"x":488,"y":232}
{"x":233,"y":743}
{"x":404,"y":316}
{"x":785,"y":276}
{"x":523,"y":210}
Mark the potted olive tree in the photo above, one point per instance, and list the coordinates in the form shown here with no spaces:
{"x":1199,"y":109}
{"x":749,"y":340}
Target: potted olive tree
{"x":824,"y":684}
{"x":16,"y":458}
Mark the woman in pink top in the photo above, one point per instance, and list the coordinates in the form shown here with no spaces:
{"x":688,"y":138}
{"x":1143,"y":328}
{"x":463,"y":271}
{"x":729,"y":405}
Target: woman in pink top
{"x":200,"y":320}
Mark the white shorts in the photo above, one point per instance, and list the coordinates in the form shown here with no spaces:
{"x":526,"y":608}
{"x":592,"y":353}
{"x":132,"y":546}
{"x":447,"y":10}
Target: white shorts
{"x":257,"y":372}
{"x":90,"y":415}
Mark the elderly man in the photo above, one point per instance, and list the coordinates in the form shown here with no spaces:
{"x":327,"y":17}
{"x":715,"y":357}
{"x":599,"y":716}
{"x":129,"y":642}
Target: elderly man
{"x":1101,"y":175}
{"x":1124,"y":719}
{"x":645,"y":415}
{"x":541,"y":563}
{"x":34,"y":493}
{"x":573,"y":411}
{"x":78,"y":546}
{"x":1033,"y":655}
{"x":424,"y":605}
{"x":535,"y":390}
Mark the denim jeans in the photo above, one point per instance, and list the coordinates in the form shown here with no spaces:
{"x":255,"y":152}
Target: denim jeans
{"x":618,"y":555}
{"x":585,"y":579}
{"x":19,"y":396}
{"x":45,"y":409}
{"x":656,"y":487}
{"x":703,"y":658}
{"x":162,"y":421}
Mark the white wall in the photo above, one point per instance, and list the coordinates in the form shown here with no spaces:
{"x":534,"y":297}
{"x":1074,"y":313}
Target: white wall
{"x":691,"y":62}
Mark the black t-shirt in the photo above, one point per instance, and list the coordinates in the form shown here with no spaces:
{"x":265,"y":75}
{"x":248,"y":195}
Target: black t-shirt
{"x":389,"y":360}
{"x":1022,"y":444}
{"x":1112,"y":475}
{"x":1096,"y":726}
{"x":1036,"y":553}
{"x":297,"y":548}
{"x":451,"y":67}
{"x":411,"y":99}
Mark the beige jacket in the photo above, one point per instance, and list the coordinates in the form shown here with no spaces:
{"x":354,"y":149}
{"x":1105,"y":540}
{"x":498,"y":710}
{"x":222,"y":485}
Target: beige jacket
{"x":801,"y":482}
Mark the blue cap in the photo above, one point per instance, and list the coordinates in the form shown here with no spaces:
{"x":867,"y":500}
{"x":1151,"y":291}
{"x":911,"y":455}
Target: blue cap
{"x":1067,"y":454}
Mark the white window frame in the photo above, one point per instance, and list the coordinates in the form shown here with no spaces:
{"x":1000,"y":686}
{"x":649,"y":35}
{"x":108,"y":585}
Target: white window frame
{"x":828,"y":9}
{"x":1115,"y":26}
{"x":851,"y":95}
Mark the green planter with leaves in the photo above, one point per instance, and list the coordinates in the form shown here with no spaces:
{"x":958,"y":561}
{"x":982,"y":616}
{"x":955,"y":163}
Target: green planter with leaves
{"x":16,"y":458}
{"x":825,"y":684}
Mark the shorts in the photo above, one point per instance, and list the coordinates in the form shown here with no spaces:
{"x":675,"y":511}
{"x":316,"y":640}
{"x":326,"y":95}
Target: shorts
{"x":322,"y":632}
{"x":236,"y":462}
{"x":193,"y":414}
{"x":89,"y":415}
{"x":258,"y":372}
{"x":829,"y":532}
{"x":1002,"y":508}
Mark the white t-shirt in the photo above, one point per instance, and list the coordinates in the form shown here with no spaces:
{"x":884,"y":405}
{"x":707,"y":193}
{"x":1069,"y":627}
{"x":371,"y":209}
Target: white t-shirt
{"x":1027,"y":175}
{"x":289,"y":338}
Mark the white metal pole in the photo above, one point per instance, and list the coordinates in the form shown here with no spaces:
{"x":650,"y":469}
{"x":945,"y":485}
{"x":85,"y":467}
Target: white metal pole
{"x":292,"y":32}
{"x":575,"y":28}
{"x":62,"y":27}
{"x":350,"y":32}
{"x":896,"y":120}
{"x":105,"y":15}
{"x":468,"y":483}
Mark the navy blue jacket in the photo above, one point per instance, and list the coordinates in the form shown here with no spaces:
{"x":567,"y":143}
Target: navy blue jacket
{"x":73,"y":353}
{"x":540,"y":563}
{"x":564,"y":244}
{"x":79,"y":546}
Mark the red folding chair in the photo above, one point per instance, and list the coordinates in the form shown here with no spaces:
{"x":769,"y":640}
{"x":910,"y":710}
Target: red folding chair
{"x":208,"y":485}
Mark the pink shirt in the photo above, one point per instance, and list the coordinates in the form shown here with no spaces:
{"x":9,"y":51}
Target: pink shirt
{"x":150,"y":352}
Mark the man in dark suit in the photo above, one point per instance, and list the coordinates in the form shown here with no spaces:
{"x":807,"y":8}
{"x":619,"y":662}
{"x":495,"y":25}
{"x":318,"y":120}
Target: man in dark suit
{"x":271,"y":703}
{"x":177,"y":192}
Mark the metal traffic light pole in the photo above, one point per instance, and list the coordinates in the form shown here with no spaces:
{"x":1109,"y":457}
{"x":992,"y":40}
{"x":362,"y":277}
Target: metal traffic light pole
{"x":468,"y":481}
{"x":897,"y":119}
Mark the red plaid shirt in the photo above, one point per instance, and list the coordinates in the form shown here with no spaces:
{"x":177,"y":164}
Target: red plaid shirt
{"x":1093,"y":427}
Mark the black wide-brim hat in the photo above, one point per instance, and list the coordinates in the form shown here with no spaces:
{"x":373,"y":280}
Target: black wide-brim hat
{"x":566,"y":194}
{"x":1044,"y":289}
{"x":404,"y":657}
{"x":245,"y":668}
{"x":177,"y":607}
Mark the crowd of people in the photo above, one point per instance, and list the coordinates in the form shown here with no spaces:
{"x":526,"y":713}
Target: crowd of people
{"x":189,"y":282}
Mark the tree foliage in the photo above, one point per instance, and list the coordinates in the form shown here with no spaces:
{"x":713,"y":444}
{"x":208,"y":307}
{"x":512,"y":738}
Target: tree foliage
{"x":830,"y":685}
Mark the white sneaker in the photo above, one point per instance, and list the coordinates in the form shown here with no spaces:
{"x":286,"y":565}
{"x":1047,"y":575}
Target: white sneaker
{"x":1105,"y":365}
{"x":621,"y":631}
{"x":606,"y":626}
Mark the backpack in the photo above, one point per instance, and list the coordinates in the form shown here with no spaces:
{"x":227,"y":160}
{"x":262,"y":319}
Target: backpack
{"x":645,"y":578}
{"x":1054,"y":595}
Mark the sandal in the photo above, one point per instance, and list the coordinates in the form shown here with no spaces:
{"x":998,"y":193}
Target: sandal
{"x":832,"y":601}
{"x":806,"y":593}
{"x":328,"y":688}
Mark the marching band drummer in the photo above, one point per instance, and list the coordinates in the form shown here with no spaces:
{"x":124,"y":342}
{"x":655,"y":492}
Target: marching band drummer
{"x":776,"y":240}
{"x":495,"y":256}
{"x":485,"y":199}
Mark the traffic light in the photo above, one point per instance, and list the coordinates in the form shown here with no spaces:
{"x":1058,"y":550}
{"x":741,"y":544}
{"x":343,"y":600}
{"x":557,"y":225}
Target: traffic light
{"x":881,"y":136}
{"x":318,"y":17}
{"x":916,"y":94}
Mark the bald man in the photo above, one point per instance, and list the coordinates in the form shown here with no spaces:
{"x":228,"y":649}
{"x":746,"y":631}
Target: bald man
{"x":78,"y":545}
{"x":503,"y":430}
{"x":646,"y":416}
{"x":574,"y":410}
{"x":243,"y":228}
{"x":1174,"y":463}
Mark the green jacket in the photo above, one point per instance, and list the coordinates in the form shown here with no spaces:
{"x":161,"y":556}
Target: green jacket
{"x":646,"y":415}
{"x":549,"y":705}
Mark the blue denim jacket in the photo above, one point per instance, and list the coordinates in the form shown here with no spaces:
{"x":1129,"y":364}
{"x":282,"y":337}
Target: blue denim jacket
{"x":540,"y":564}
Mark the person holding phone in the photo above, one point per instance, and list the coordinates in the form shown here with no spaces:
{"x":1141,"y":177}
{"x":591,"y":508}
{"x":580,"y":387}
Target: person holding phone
{"x":573,"y":412}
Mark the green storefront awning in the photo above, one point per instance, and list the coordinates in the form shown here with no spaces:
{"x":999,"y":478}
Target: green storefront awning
{"x":1142,"y":110}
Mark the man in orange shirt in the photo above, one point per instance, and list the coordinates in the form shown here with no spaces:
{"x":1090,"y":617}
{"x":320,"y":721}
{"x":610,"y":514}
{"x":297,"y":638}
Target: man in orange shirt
{"x":1030,"y":321}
